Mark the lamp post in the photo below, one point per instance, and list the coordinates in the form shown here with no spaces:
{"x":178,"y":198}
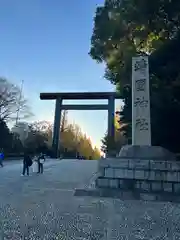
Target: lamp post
{"x":20,"y":96}
{"x":18,"y":109}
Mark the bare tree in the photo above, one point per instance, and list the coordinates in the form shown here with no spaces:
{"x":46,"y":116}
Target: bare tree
{"x":41,"y":126}
{"x":39,"y":136}
{"x":12,"y":101}
{"x":64,"y":122}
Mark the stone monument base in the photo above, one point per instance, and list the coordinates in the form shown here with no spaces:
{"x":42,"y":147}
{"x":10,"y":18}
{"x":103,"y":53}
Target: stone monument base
{"x":146,"y":152}
{"x":140,"y":168}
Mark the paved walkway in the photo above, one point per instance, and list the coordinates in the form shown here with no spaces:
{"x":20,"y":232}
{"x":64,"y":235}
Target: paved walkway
{"x":44,"y":207}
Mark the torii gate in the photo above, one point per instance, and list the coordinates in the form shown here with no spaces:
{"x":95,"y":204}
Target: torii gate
{"x":59,"y":97}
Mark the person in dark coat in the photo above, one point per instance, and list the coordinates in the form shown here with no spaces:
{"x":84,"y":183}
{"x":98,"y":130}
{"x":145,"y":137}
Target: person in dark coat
{"x":27,"y":162}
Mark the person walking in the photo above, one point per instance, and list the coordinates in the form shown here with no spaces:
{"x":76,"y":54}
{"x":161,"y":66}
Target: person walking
{"x":35,"y":164}
{"x":41,"y":161}
{"x":27,"y":162}
{"x":1,"y":157}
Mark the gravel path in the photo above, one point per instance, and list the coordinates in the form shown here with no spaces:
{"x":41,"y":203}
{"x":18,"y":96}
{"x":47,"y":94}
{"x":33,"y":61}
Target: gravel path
{"x":44,"y":207}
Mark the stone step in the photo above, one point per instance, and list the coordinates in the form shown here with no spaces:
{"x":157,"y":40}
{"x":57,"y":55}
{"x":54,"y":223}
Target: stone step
{"x":127,"y":195}
{"x":144,"y":185}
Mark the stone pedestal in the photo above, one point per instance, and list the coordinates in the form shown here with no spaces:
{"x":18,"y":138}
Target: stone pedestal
{"x":146,"y":152}
{"x":141,"y":168}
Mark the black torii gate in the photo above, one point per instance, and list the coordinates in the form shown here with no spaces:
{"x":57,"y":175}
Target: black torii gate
{"x":59,"y":97}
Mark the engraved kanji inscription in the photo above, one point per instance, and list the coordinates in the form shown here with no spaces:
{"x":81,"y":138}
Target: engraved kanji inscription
{"x":140,"y":85}
{"x":140,"y":65}
{"x":141,"y":102}
{"x":142,"y":124}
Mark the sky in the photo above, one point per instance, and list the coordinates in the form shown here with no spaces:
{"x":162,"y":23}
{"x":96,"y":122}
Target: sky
{"x":46,"y":44}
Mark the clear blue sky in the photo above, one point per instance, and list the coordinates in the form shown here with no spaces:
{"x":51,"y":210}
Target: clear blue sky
{"x":46,"y":44}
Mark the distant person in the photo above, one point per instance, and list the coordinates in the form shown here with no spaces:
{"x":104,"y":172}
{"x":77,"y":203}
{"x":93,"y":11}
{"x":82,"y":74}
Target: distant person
{"x":41,"y":160}
{"x":35,"y":165}
{"x":1,"y":158}
{"x":27,"y":162}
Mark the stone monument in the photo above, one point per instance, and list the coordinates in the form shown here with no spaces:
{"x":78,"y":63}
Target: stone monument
{"x":141,"y":124}
{"x":140,"y":166}
{"x":141,"y":119}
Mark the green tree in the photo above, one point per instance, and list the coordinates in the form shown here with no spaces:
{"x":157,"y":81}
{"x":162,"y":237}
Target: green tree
{"x":119,"y":139}
{"x":6,"y":137}
{"x":96,"y":154}
{"x":74,"y":143}
{"x":16,"y":146}
{"x":126,"y":28}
